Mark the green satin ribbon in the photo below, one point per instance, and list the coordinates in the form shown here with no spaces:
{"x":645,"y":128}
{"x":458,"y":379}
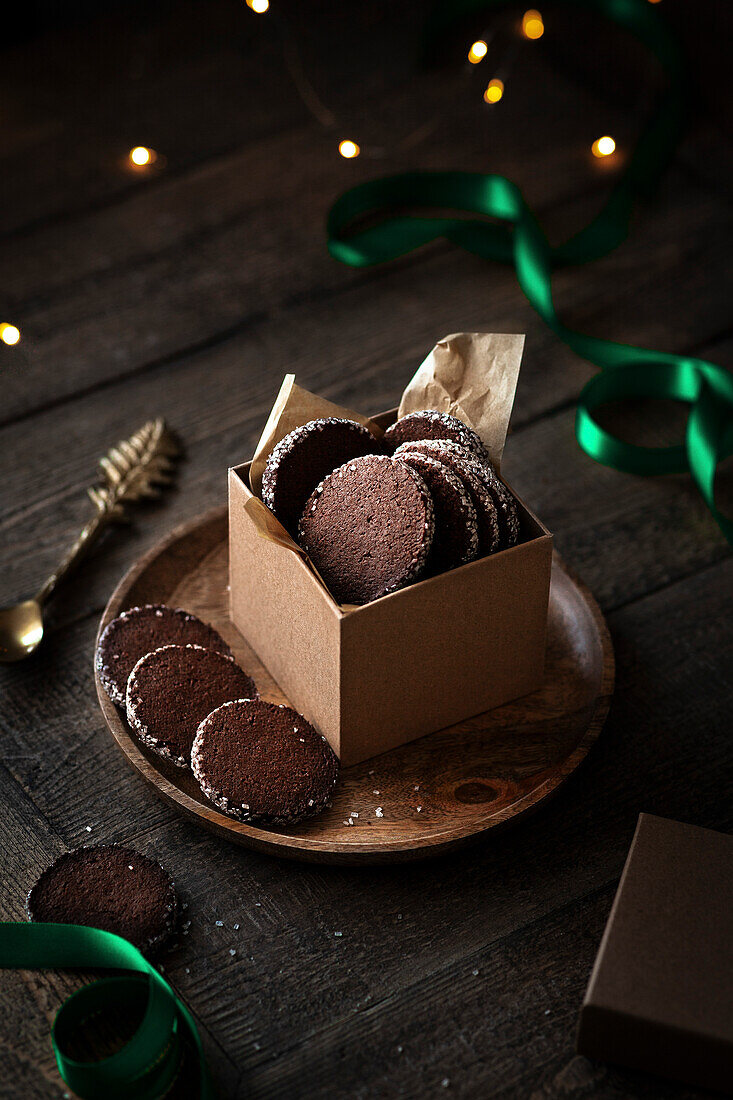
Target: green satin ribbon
{"x":627,"y":372}
{"x":148,"y":1064}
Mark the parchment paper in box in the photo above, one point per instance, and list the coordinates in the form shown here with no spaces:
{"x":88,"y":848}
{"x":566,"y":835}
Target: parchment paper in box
{"x":474,"y":376}
{"x":293,"y":407}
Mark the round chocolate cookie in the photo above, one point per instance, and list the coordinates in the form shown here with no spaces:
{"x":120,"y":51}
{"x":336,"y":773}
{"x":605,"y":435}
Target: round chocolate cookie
{"x":108,"y":887}
{"x":368,"y":528}
{"x":139,"y":631}
{"x":449,"y":452}
{"x":456,"y":526}
{"x":302,"y":459}
{"x":173,"y":688}
{"x":487,"y":514}
{"x":431,"y":424}
{"x":263,"y":762}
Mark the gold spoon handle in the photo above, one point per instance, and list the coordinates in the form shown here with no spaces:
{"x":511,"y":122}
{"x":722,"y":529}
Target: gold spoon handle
{"x":137,"y":468}
{"x":87,"y":536}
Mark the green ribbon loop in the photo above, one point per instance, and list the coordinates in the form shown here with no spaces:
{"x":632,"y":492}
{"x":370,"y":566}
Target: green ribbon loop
{"x":147,"y":1065}
{"x":627,"y":372}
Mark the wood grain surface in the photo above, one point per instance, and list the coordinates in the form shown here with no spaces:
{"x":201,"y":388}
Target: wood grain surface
{"x":188,"y":292}
{"x":434,"y":793}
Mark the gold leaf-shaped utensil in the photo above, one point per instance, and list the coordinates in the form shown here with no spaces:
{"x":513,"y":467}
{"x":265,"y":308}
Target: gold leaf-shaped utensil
{"x":135,"y":469}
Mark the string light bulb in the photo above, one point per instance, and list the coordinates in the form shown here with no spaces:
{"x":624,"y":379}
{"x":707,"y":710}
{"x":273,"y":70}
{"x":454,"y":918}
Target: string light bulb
{"x":349,"y":149}
{"x":9,"y":334}
{"x":494,"y":91}
{"x":141,"y":156}
{"x":259,"y":6}
{"x":477,"y":52}
{"x":603,"y":146}
{"x":532,"y":25}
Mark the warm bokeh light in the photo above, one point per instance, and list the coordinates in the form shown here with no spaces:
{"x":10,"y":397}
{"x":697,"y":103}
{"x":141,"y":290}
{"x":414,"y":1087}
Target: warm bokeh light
{"x":603,"y":146}
{"x":349,"y":149}
{"x":532,"y":25}
{"x":260,"y":6}
{"x":494,"y":91}
{"x":477,"y":51}
{"x":140,"y":156}
{"x":655,"y":1}
{"x":9,"y":334}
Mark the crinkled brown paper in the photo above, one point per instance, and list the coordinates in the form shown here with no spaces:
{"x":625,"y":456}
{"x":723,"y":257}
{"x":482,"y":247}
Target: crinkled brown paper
{"x":474,"y":376}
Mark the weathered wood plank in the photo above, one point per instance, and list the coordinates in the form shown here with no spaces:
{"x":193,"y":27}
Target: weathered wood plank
{"x":206,"y":254}
{"x":29,"y":999}
{"x":192,"y":85}
{"x":390,"y":972}
{"x":359,"y":348}
{"x":479,"y":1027}
{"x":218,"y":249}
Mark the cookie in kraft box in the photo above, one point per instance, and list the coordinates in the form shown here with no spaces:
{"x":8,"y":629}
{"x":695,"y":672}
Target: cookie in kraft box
{"x":434,"y":652}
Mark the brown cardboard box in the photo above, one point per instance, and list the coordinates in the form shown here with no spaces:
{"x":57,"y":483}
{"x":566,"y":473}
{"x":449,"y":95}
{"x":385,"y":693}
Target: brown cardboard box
{"x":660,"y":997}
{"x":422,"y":658}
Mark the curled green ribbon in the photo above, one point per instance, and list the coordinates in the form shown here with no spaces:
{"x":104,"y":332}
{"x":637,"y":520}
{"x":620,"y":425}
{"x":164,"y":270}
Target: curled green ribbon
{"x":146,"y":1066}
{"x":627,"y":372}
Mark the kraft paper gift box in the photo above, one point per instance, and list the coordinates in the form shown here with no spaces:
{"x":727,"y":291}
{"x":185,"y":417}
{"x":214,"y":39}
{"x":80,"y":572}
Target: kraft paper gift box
{"x":427,"y":656}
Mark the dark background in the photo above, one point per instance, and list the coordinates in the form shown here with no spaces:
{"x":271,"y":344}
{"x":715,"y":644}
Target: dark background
{"x":187,"y":291}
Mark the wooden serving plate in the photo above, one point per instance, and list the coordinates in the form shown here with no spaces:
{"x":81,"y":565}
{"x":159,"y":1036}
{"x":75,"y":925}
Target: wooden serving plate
{"x":466,"y":779}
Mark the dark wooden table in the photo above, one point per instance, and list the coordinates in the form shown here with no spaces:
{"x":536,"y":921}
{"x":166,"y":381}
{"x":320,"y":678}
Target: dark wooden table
{"x":188,"y":291}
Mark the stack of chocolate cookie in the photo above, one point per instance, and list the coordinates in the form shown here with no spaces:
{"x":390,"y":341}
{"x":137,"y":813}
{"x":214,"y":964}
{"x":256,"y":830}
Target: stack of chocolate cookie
{"x":374,"y":516}
{"x":188,"y":701}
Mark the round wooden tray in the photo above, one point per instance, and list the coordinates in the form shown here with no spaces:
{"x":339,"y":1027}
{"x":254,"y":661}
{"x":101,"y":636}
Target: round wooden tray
{"x":472,"y":777}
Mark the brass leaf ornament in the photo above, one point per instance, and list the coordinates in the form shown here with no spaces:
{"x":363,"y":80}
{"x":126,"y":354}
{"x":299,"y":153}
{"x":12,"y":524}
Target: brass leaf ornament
{"x":138,"y":468}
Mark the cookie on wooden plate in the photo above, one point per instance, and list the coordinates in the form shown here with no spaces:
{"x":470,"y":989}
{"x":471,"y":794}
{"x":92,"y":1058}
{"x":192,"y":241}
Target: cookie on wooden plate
{"x":140,"y":630}
{"x":368,"y":528}
{"x":302,"y":459}
{"x":173,"y":688}
{"x":456,"y":539}
{"x":263,"y":762}
{"x":110,"y":887}
{"x":431,"y":424}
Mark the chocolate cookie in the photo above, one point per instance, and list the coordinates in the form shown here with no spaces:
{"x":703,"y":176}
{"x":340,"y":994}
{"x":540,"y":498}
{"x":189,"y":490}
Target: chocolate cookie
{"x":302,"y":459}
{"x":431,"y":424}
{"x":368,"y":528}
{"x":456,"y":526}
{"x":139,"y":631}
{"x":173,"y":688}
{"x":108,"y":887}
{"x":448,"y":451}
{"x":263,"y":762}
{"x":487,"y":514}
